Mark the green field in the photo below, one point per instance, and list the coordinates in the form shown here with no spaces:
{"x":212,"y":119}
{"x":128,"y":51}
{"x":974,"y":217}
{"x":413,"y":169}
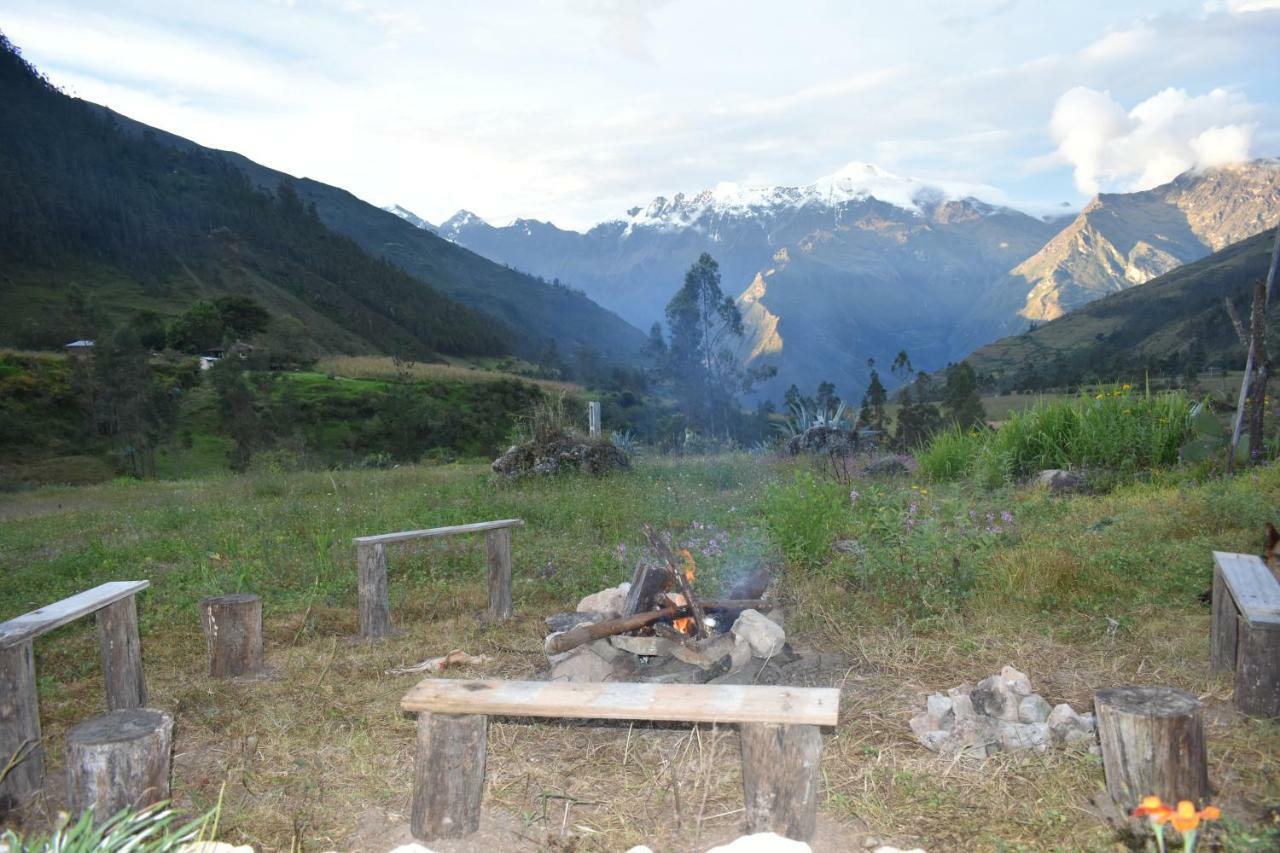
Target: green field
{"x":1079,"y":592}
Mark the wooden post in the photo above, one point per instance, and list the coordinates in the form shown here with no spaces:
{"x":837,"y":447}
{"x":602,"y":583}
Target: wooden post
{"x":19,"y":726}
{"x":780,"y":778}
{"x":1152,"y":745}
{"x":121,"y":654}
{"x":117,"y":760}
{"x":1258,"y":669}
{"x":375,"y":606}
{"x":497,"y":546}
{"x":593,"y":419}
{"x":1223,"y":631}
{"x":233,"y":633}
{"x":448,"y":775}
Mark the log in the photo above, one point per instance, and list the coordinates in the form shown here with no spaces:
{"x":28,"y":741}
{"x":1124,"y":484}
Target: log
{"x":448,"y":775}
{"x":497,"y":545}
{"x":375,"y":606}
{"x":121,"y":653}
{"x":647,"y":583}
{"x":233,"y":633}
{"x":575,"y":637}
{"x":1153,"y":744}
{"x":118,"y":760}
{"x":1258,"y":669}
{"x":20,"y":748}
{"x":780,"y":765}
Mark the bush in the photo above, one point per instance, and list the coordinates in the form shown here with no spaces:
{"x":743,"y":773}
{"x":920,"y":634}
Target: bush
{"x":950,"y":455}
{"x":805,"y":516}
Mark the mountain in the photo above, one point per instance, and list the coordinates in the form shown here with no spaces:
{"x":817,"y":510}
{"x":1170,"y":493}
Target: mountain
{"x":1174,"y":321}
{"x":864,"y":263}
{"x":141,"y":219}
{"x":1120,"y":240}
{"x":409,"y":216}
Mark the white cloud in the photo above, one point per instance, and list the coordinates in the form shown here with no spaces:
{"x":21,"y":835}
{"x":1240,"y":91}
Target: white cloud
{"x":1163,"y":136}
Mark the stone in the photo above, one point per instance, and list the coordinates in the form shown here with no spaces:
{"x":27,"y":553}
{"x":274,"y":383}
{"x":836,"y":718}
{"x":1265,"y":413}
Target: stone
{"x":765,"y":636}
{"x":1016,"y":736}
{"x":607,"y":601}
{"x":962,"y":705}
{"x":561,"y":622}
{"x":706,"y":653}
{"x":741,"y":654}
{"x":561,"y":452}
{"x":645,"y":646}
{"x":940,"y":707}
{"x":993,"y":698}
{"x":886,"y":466}
{"x":1016,"y":681}
{"x":1066,"y":726}
{"x":581,"y":665}
{"x":1033,"y":709}
{"x":935,"y":740}
{"x":922,"y":724}
{"x":1059,"y":482}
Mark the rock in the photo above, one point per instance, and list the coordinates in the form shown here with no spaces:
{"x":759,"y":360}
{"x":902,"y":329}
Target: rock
{"x":561,"y":622}
{"x":886,"y":466}
{"x":765,"y":636}
{"x":741,"y":654}
{"x":607,"y":601}
{"x":762,"y":842}
{"x":1068,"y":727}
{"x":848,"y":546}
{"x":935,"y":740}
{"x":561,"y":452}
{"x":1016,"y":736}
{"x":962,"y":705}
{"x":1059,"y":482}
{"x":706,"y":653}
{"x":993,"y":698}
{"x":1033,"y":709}
{"x":940,"y":708}
{"x":582,"y":664}
{"x":646,"y":646}
{"x":922,"y":724}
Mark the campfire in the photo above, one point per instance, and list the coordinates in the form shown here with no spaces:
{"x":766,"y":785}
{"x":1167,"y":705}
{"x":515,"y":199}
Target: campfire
{"x":656,"y":628}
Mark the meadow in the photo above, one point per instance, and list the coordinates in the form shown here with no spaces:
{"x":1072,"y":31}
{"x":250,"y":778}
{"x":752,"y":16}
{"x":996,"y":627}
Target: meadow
{"x":949,"y":582}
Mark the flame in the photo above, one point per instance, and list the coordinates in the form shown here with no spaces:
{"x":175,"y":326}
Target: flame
{"x":685,"y":623}
{"x":690,"y":566}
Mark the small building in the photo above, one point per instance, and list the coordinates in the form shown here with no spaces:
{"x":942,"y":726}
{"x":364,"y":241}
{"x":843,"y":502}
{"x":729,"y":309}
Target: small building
{"x":208,"y":361}
{"x":79,"y":349}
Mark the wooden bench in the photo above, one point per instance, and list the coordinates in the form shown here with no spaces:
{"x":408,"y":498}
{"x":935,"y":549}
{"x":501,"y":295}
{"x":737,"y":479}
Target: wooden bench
{"x":1246,"y":630}
{"x":117,"y":618}
{"x":781,"y":740}
{"x":371,"y":563}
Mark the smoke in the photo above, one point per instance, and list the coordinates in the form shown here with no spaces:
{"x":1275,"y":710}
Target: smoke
{"x":1154,"y":142}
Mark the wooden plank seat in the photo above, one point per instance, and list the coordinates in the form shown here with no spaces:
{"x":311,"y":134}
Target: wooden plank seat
{"x":121,"y":656}
{"x":371,"y":566}
{"x":780,"y":732}
{"x":1245,"y":637}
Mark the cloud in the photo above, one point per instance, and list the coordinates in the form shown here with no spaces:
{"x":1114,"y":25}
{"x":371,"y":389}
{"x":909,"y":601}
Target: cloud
{"x":1163,"y":136}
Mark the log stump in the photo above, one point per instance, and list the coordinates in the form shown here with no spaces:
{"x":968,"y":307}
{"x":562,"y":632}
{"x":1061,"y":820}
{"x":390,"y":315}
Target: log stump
{"x":448,"y":775}
{"x":375,"y":602}
{"x":497,"y":546}
{"x":233,"y":631}
{"x":19,"y":726}
{"x":780,"y":778}
{"x":118,"y":760}
{"x":1153,"y":744}
{"x":121,"y":654}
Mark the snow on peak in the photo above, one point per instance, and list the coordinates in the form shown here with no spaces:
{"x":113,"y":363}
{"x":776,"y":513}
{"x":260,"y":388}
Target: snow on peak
{"x":408,"y":216}
{"x":855,"y":182}
{"x":460,"y":220}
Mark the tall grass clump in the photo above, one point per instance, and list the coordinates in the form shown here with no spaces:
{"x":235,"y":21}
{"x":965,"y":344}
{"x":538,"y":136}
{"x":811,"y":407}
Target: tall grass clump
{"x":1114,"y":428}
{"x":805,"y":516}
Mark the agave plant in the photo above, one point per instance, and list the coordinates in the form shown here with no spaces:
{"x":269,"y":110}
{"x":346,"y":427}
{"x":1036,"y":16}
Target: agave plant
{"x":802,"y":420}
{"x":154,"y":829}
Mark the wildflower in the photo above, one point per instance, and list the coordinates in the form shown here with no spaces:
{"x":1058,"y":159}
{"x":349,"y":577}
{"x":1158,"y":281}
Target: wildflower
{"x":1157,"y":814}
{"x":1186,"y":819}
{"x":1006,"y":516}
{"x":853,"y":496}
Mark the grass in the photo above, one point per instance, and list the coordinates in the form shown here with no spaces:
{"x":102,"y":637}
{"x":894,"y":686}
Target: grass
{"x":384,"y":368}
{"x":1080,"y":592}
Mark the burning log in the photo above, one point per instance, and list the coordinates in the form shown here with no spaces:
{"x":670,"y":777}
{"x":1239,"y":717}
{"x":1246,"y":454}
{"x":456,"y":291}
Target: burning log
{"x":647,"y":584}
{"x":582,"y":634}
{"x":681,"y":576}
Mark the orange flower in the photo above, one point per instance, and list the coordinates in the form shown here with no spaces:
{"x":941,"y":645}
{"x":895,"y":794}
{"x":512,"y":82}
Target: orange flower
{"x":1186,"y":817}
{"x":1152,"y":808}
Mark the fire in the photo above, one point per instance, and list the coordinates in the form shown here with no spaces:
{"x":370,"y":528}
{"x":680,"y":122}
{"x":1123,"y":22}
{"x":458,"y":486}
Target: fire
{"x":684,"y":624}
{"x":690,"y":567}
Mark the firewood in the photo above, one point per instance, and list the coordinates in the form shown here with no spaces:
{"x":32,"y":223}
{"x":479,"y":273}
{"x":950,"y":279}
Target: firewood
{"x":648,"y":582}
{"x":664,"y":551}
{"x":586,"y":633}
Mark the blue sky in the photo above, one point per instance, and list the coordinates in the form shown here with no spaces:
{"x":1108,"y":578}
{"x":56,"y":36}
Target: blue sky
{"x":574,"y":110}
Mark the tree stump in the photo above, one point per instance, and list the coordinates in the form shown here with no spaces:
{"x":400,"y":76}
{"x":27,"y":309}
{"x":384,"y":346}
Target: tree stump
{"x":121,"y":655}
{"x":118,"y":760}
{"x":448,"y":775}
{"x":780,"y":778}
{"x":375,"y":604}
{"x":19,"y":726}
{"x":497,"y":546}
{"x":1152,"y":745}
{"x":233,"y":631}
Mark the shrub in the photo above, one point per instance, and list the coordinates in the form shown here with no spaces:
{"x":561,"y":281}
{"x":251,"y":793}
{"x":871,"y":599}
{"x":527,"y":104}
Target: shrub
{"x":950,"y":455}
{"x":805,"y":516}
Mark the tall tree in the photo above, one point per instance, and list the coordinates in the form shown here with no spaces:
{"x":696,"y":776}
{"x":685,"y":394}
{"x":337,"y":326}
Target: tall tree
{"x":871,"y":413}
{"x":960,"y":401}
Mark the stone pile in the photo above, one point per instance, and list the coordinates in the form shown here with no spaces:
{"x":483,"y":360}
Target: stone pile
{"x":1001,"y":713}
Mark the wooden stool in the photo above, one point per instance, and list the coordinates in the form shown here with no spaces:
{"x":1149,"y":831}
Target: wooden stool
{"x":1152,"y":745}
{"x":119,"y":760}
{"x":1246,"y":631}
{"x":233,"y":631}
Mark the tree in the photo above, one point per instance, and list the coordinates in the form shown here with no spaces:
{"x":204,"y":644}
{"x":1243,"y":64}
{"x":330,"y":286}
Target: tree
{"x":129,"y":404}
{"x":704,"y":371}
{"x":960,"y":402}
{"x":826,"y":399}
{"x":871,"y":413}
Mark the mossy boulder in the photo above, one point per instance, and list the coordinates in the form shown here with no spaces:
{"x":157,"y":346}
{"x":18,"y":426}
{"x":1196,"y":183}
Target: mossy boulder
{"x":560,"y":453}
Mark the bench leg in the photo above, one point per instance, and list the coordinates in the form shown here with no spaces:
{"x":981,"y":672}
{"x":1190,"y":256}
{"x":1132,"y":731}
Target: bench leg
{"x":1222,"y":636}
{"x":497,"y":546}
{"x":780,"y":778}
{"x":19,"y":726}
{"x":448,"y":775}
{"x":375,"y":606}
{"x":1258,"y":670}
{"x":121,"y":655}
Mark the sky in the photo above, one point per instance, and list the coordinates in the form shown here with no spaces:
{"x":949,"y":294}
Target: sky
{"x":573,"y":111}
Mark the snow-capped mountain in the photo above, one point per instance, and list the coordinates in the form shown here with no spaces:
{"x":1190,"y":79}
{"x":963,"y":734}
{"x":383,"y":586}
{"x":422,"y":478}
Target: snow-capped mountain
{"x":410,"y":217}
{"x":862,"y":263}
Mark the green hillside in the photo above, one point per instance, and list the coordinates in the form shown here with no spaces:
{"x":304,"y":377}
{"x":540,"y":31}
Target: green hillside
{"x":1175,"y":323}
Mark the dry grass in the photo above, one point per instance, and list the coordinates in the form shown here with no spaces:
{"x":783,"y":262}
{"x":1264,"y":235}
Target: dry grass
{"x":382,"y":367}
